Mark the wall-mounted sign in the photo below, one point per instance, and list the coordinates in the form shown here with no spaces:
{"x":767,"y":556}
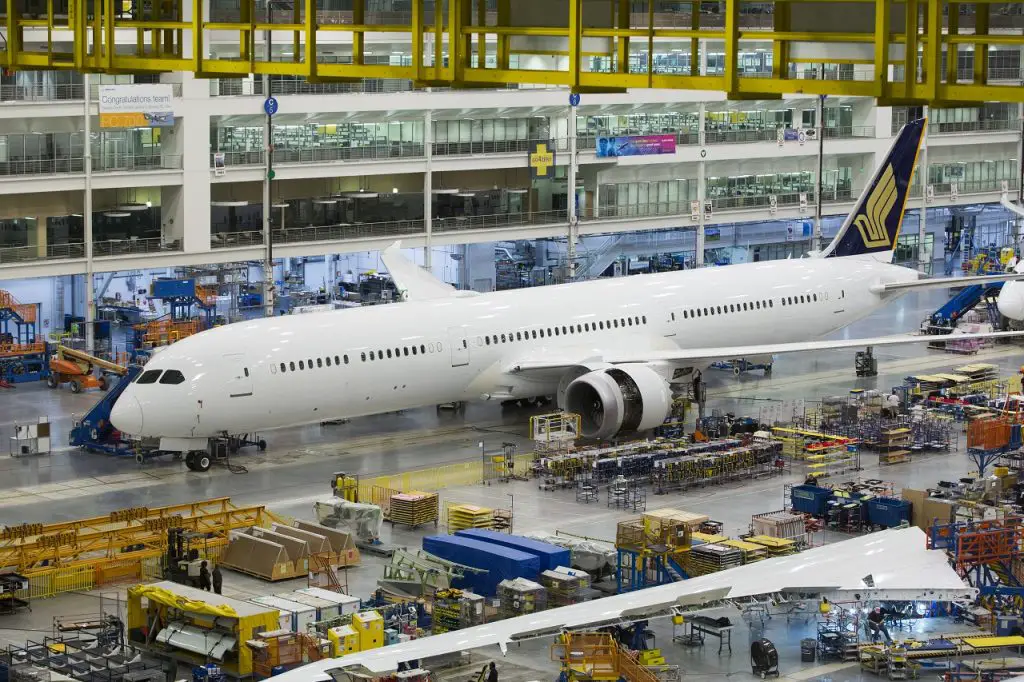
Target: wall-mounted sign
{"x":709,"y":209}
{"x":137,"y":106}
{"x":541,"y":160}
{"x":803,"y":201}
{"x":773,"y":204}
{"x":219,"y":167}
{"x":694,"y":210}
{"x":635,"y":145}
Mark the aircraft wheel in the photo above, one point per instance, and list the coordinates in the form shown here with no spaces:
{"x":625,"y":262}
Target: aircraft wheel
{"x":52,"y":382}
{"x":736,"y":370}
{"x":190,"y":461}
{"x":76,"y":387}
{"x":202,"y":462}
{"x":768,"y":370}
{"x":262,"y":445}
{"x":139,"y":459}
{"x":104,"y":384}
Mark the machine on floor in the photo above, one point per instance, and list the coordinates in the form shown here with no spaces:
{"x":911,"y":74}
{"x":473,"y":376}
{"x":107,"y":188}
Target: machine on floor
{"x":764,"y":658}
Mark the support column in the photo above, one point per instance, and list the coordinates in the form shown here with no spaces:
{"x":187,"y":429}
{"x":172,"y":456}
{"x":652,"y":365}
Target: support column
{"x":701,"y":172}
{"x":922,"y":224}
{"x":428,"y":189}
{"x":268,"y":146}
{"x":571,"y":194}
{"x":820,"y":120}
{"x":1019,"y":222}
{"x":90,"y":301}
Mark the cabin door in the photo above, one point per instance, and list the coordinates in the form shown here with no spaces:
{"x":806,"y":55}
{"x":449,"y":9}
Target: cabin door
{"x":239,"y":383}
{"x":459,"y":346}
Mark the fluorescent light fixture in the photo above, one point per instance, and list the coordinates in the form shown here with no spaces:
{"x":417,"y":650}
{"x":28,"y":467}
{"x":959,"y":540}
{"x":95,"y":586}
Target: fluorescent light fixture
{"x":361,"y":195}
{"x":132,"y":207}
{"x":325,"y":202}
{"x":280,"y":205}
{"x":466,"y":195}
{"x":229,"y":204}
{"x":445,"y":191}
{"x":117,"y":214}
{"x":517,"y":190}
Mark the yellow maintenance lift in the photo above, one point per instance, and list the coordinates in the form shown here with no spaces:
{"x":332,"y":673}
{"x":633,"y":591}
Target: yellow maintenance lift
{"x":78,"y":368}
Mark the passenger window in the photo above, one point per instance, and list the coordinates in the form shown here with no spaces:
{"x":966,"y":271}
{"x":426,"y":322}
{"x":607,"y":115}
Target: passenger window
{"x":302,"y":365}
{"x":644,"y":318}
{"x":283,"y":368}
{"x":770,"y":304}
{"x":319,"y":363}
{"x":291,"y":365}
{"x":372,"y":356}
{"x":503,"y":338}
{"x":398,"y":352}
{"x":563,"y":330}
{"x":815,"y":298}
{"x":430,"y":346}
{"x":327,"y":360}
{"x":519,"y":336}
{"x":337,"y":362}
{"x":495,"y":337}
{"x":363,"y":355}
{"x":389,"y":352}
{"x":246,"y":370}
{"x":439,"y":347}
{"x":336,"y":359}
{"x":423,"y":349}
{"x":487,"y":341}
{"x":149,"y":376}
{"x":757,"y":304}
{"x":414,"y":347}
{"x":173,"y":376}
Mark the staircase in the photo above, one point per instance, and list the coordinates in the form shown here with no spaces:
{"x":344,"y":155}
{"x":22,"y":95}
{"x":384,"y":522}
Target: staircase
{"x":598,"y":656}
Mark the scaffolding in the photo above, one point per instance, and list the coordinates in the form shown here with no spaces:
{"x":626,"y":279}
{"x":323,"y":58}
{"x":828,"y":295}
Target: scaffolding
{"x":984,"y":553}
{"x":650,"y":551}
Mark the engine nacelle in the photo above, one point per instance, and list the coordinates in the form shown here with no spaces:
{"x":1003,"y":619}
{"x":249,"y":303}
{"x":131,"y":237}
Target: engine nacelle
{"x":618,"y":399}
{"x":1011,"y":297}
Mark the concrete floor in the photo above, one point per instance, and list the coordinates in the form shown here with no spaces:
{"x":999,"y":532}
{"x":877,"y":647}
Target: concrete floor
{"x":297,"y":466}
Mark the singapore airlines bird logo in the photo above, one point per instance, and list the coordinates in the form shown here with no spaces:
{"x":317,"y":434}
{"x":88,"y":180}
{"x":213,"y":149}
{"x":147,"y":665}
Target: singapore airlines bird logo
{"x":871,"y":222}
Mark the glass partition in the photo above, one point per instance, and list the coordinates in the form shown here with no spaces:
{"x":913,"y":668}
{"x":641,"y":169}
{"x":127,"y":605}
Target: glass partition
{"x":320,"y":141}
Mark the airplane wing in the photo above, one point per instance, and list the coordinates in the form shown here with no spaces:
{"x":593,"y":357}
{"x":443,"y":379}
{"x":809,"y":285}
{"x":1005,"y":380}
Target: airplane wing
{"x":944,"y":283}
{"x":415,"y":283}
{"x":889,"y":565}
{"x":712,"y":353}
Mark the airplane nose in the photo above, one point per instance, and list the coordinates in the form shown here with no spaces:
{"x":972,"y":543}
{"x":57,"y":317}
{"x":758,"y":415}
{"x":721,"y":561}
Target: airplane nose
{"x":127,"y":415}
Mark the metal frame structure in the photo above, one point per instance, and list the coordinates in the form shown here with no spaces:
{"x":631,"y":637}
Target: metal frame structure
{"x":449,"y":46}
{"x":983,"y":552}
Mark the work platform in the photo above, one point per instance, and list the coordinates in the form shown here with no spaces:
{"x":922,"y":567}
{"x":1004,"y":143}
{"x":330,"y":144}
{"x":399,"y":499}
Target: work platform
{"x":587,"y":45}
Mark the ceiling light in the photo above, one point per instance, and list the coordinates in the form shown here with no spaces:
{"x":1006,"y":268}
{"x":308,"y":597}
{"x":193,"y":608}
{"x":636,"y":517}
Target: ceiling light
{"x":517,"y":190}
{"x":466,"y":195}
{"x":325,"y":202}
{"x":361,"y":195}
{"x":229,"y":204}
{"x":394,"y":190}
{"x":132,"y":207}
{"x":280,"y":205}
{"x":117,"y":214}
{"x":445,"y":191}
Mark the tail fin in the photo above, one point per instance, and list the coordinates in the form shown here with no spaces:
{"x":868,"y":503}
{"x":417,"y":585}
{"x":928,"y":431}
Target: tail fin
{"x":874,"y":225}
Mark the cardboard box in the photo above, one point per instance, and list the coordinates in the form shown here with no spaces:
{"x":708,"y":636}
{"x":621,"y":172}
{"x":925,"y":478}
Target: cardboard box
{"x":925,"y":511}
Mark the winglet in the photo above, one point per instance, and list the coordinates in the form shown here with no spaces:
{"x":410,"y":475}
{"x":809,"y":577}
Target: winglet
{"x":414,"y":283}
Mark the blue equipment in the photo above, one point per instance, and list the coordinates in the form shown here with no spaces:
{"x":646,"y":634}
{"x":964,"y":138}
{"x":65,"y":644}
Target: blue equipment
{"x":94,"y":432}
{"x":946,"y":317}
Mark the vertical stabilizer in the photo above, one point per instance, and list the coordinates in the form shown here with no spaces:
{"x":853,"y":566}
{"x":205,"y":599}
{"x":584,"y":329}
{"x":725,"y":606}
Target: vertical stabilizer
{"x":874,"y":225}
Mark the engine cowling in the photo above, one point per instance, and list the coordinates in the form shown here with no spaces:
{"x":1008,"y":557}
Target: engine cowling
{"x":618,"y":399}
{"x":1011,"y":297}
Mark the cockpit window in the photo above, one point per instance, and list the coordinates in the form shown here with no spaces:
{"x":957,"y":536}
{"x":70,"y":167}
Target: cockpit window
{"x":149,"y":376}
{"x":172,"y":376}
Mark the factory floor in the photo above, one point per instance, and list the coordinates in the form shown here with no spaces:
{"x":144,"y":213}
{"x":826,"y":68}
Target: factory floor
{"x":297,"y":466}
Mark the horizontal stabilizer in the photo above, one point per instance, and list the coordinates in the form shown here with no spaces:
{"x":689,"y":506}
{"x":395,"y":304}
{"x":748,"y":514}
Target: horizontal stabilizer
{"x":944,"y":283}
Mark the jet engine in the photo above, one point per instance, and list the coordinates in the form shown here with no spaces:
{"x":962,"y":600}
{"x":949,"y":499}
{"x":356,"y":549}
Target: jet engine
{"x":618,"y":399}
{"x":1011,"y":297}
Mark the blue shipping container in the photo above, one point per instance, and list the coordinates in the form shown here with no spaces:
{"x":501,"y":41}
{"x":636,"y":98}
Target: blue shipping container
{"x":173,"y":288}
{"x":501,"y":563}
{"x":810,"y":499}
{"x":551,"y":556}
{"x":888,"y":512}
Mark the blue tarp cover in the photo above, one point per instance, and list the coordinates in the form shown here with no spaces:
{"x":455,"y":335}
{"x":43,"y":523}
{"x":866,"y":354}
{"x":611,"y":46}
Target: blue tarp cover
{"x":502,"y":563}
{"x":551,"y":556}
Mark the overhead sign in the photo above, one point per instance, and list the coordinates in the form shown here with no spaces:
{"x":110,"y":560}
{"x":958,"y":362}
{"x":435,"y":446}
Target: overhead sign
{"x":635,"y":145}
{"x":137,"y":106}
{"x":541,"y":160}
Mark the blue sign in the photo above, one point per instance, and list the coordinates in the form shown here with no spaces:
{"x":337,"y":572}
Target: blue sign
{"x":574,"y":99}
{"x":270,"y":106}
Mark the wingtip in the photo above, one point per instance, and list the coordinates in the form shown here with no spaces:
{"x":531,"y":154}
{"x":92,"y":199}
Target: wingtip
{"x":394,"y":246}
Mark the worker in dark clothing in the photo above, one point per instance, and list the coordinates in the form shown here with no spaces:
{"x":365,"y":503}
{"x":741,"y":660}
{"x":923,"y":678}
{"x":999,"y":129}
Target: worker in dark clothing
{"x":204,"y":577}
{"x":492,"y":673}
{"x":218,"y":579}
{"x":876,"y":625}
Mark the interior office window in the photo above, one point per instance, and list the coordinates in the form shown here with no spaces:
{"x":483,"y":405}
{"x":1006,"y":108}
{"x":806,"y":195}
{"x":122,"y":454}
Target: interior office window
{"x":283,"y":369}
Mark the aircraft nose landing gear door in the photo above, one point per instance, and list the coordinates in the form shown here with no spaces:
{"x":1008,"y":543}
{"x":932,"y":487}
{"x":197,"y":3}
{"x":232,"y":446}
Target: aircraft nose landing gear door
{"x":239,"y":383}
{"x":459,"y":346}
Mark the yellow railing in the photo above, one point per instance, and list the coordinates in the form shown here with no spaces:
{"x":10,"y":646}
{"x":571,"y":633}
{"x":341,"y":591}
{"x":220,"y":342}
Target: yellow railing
{"x":434,"y":479}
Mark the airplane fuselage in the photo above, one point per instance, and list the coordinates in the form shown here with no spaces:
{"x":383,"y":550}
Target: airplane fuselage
{"x":301,"y":369}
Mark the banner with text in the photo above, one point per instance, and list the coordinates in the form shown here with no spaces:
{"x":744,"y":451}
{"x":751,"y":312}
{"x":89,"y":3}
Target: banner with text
{"x":137,"y":106}
{"x":636,"y":145}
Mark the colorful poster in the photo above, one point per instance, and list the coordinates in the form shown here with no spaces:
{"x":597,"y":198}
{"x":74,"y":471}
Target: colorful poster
{"x":137,"y":106}
{"x":541,"y":160}
{"x":636,"y":145}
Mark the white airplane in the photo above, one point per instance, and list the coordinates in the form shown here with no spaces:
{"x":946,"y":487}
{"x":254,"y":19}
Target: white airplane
{"x":608,"y":348}
{"x":892,"y":565}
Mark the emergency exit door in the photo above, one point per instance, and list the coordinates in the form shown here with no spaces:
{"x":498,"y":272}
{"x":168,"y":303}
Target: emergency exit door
{"x":239,"y":381}
{"x":459,"y":346}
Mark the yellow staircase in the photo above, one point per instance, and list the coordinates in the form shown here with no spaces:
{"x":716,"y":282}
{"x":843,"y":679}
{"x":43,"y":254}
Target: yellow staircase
{"x":598,"y":656}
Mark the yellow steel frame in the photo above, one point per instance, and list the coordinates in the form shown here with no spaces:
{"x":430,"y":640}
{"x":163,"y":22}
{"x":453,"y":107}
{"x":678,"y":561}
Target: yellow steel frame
{"x":169,"y":35}
{"x":124,"y":535}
